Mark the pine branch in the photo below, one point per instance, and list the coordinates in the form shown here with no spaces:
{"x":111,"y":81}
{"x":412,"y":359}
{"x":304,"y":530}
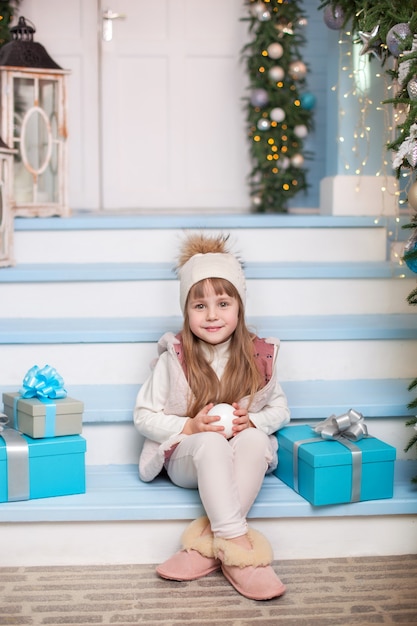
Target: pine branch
{"x":278,"y":123}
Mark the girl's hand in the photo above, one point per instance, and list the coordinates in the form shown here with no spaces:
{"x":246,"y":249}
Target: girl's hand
{"x":202,"y":422}
{"x":242,"y":420}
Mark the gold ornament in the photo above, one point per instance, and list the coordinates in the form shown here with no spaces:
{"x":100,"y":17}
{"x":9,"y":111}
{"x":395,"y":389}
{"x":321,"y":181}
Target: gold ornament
{"x":412,"y":196}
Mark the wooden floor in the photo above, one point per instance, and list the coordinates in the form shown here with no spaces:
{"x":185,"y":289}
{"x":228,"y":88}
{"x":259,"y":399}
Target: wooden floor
{"x":328,"y":592}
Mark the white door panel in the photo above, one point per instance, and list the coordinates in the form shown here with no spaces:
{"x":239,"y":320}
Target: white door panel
{"x":172,"y":121}
{"x":155,"y":115}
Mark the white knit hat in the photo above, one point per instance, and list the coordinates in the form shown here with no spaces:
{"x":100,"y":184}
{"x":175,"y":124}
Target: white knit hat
{"x":204,"y":265}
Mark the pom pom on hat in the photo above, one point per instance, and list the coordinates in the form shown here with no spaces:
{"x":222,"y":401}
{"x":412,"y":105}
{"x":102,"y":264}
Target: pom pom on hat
{"x":203,"y":257}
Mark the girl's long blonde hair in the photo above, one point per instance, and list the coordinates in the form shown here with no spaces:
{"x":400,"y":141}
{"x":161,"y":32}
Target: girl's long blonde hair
{"x":241,"y":376}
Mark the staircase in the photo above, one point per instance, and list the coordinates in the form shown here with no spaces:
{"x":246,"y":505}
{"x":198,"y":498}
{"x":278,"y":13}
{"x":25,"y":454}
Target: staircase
{"x":91,"y":295}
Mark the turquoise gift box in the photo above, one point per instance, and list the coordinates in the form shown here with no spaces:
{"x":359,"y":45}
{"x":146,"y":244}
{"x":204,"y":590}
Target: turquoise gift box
{"x":53,"y":466}
{"x":327,"y":472}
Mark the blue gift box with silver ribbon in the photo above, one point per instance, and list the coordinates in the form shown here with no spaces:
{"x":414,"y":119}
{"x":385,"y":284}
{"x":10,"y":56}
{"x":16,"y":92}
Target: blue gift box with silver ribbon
{"x":40,"y":468}
{"x":330,"y":464}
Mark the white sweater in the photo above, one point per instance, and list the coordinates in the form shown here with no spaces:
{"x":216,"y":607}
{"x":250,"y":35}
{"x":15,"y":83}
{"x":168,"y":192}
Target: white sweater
{"x":160,"y":410}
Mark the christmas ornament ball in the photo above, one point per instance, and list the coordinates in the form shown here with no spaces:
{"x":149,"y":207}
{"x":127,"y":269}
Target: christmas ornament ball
{"x":263,"y":124}
{"x":276,"y":73}
{"x":308,"y":101}
{"x":333,"y":17}
{"x":300,"y":131}
{"x":256,"y":200}
{"x":275,"y":50}
{"x":277,"y":114}
{"x":259,"y":97}
{"x":412,"y":88}
{"x":297,"y":70}
{"x":265,"y":16}
{"x":284,"y":163}
{"x":297,"y":160}
{"x":225,"y":412}
{"x":412,"y":196}
{"x":396,"y":36}
{"x":411,"y":246}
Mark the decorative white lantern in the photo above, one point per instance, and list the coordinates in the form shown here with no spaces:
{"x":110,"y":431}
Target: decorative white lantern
{"x":6,"y":215}
{"x":34,"y":122}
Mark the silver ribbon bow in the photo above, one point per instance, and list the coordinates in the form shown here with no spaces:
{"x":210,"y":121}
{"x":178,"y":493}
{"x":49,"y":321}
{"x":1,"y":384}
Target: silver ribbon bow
{"x":350,"y":425}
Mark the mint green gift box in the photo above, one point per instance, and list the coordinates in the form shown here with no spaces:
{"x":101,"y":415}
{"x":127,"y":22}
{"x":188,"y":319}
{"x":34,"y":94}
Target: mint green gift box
{"x":44,"y":417}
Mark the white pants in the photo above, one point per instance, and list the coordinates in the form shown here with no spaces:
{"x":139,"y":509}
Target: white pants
{"x":227,"y":473}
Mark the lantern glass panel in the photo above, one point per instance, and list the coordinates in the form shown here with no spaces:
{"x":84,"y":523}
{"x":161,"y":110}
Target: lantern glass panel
{"x":1,"y":214}
{"x":36,"y":137}
{"x":3,"y":234}
{"x":48,"y":96}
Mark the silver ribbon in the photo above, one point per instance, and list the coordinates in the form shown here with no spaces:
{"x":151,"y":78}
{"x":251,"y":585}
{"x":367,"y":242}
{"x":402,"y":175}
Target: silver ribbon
{"x":350,"y":425}
{"x":345,"y":429}
{"x":17,"y":456}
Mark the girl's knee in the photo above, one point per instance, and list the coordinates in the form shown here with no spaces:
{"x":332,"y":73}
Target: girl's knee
{"x":212,"y":443}
{"x":254,"y":439}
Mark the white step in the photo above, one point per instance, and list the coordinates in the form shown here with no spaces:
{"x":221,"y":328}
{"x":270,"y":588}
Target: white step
{"x":315,"y":347}
{"x":130,"y":363}
{"x":129,"y":239}
{"x":126,"y":291}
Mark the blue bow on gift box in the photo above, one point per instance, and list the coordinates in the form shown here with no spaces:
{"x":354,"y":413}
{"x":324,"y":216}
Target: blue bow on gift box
{"x":43,"y":383}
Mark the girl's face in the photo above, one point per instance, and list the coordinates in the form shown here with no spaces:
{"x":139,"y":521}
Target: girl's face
{"x":212,"y":317}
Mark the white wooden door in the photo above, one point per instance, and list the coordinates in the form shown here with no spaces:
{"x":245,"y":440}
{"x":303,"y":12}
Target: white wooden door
{"x":172,"y":121}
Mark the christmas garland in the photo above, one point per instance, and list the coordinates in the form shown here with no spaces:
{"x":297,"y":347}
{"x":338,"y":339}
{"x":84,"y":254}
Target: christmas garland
{"x":279,"y":107}
{"x":7,"y":11}
{"x":387,"y":31}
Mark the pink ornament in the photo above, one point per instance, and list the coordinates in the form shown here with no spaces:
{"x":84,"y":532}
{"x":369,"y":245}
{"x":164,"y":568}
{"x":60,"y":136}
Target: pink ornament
{"x":297,"y":70}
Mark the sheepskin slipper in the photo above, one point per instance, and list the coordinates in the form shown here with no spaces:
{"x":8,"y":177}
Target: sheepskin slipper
{"x":187,"y":565}
{"x":249,"y":571}
{"x":196,"y":559}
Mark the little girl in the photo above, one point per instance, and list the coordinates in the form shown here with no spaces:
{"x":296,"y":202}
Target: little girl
{"x":214,"y":359}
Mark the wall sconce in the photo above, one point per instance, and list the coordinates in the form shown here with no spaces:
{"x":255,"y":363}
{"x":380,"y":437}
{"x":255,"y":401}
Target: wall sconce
{"x":33,"y":121}
{"x":6,"y":215}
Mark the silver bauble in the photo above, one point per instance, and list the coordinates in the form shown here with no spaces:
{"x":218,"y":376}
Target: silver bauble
{"x":300,"y":131}
{"x":276,"y":73}
{"x":259,"y":97}
{"x":412,"y":88}
{"x":333,"y":17}
{"x":263,"y":124}
{"x":396,"y":36}
{"x":277,"y":114}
